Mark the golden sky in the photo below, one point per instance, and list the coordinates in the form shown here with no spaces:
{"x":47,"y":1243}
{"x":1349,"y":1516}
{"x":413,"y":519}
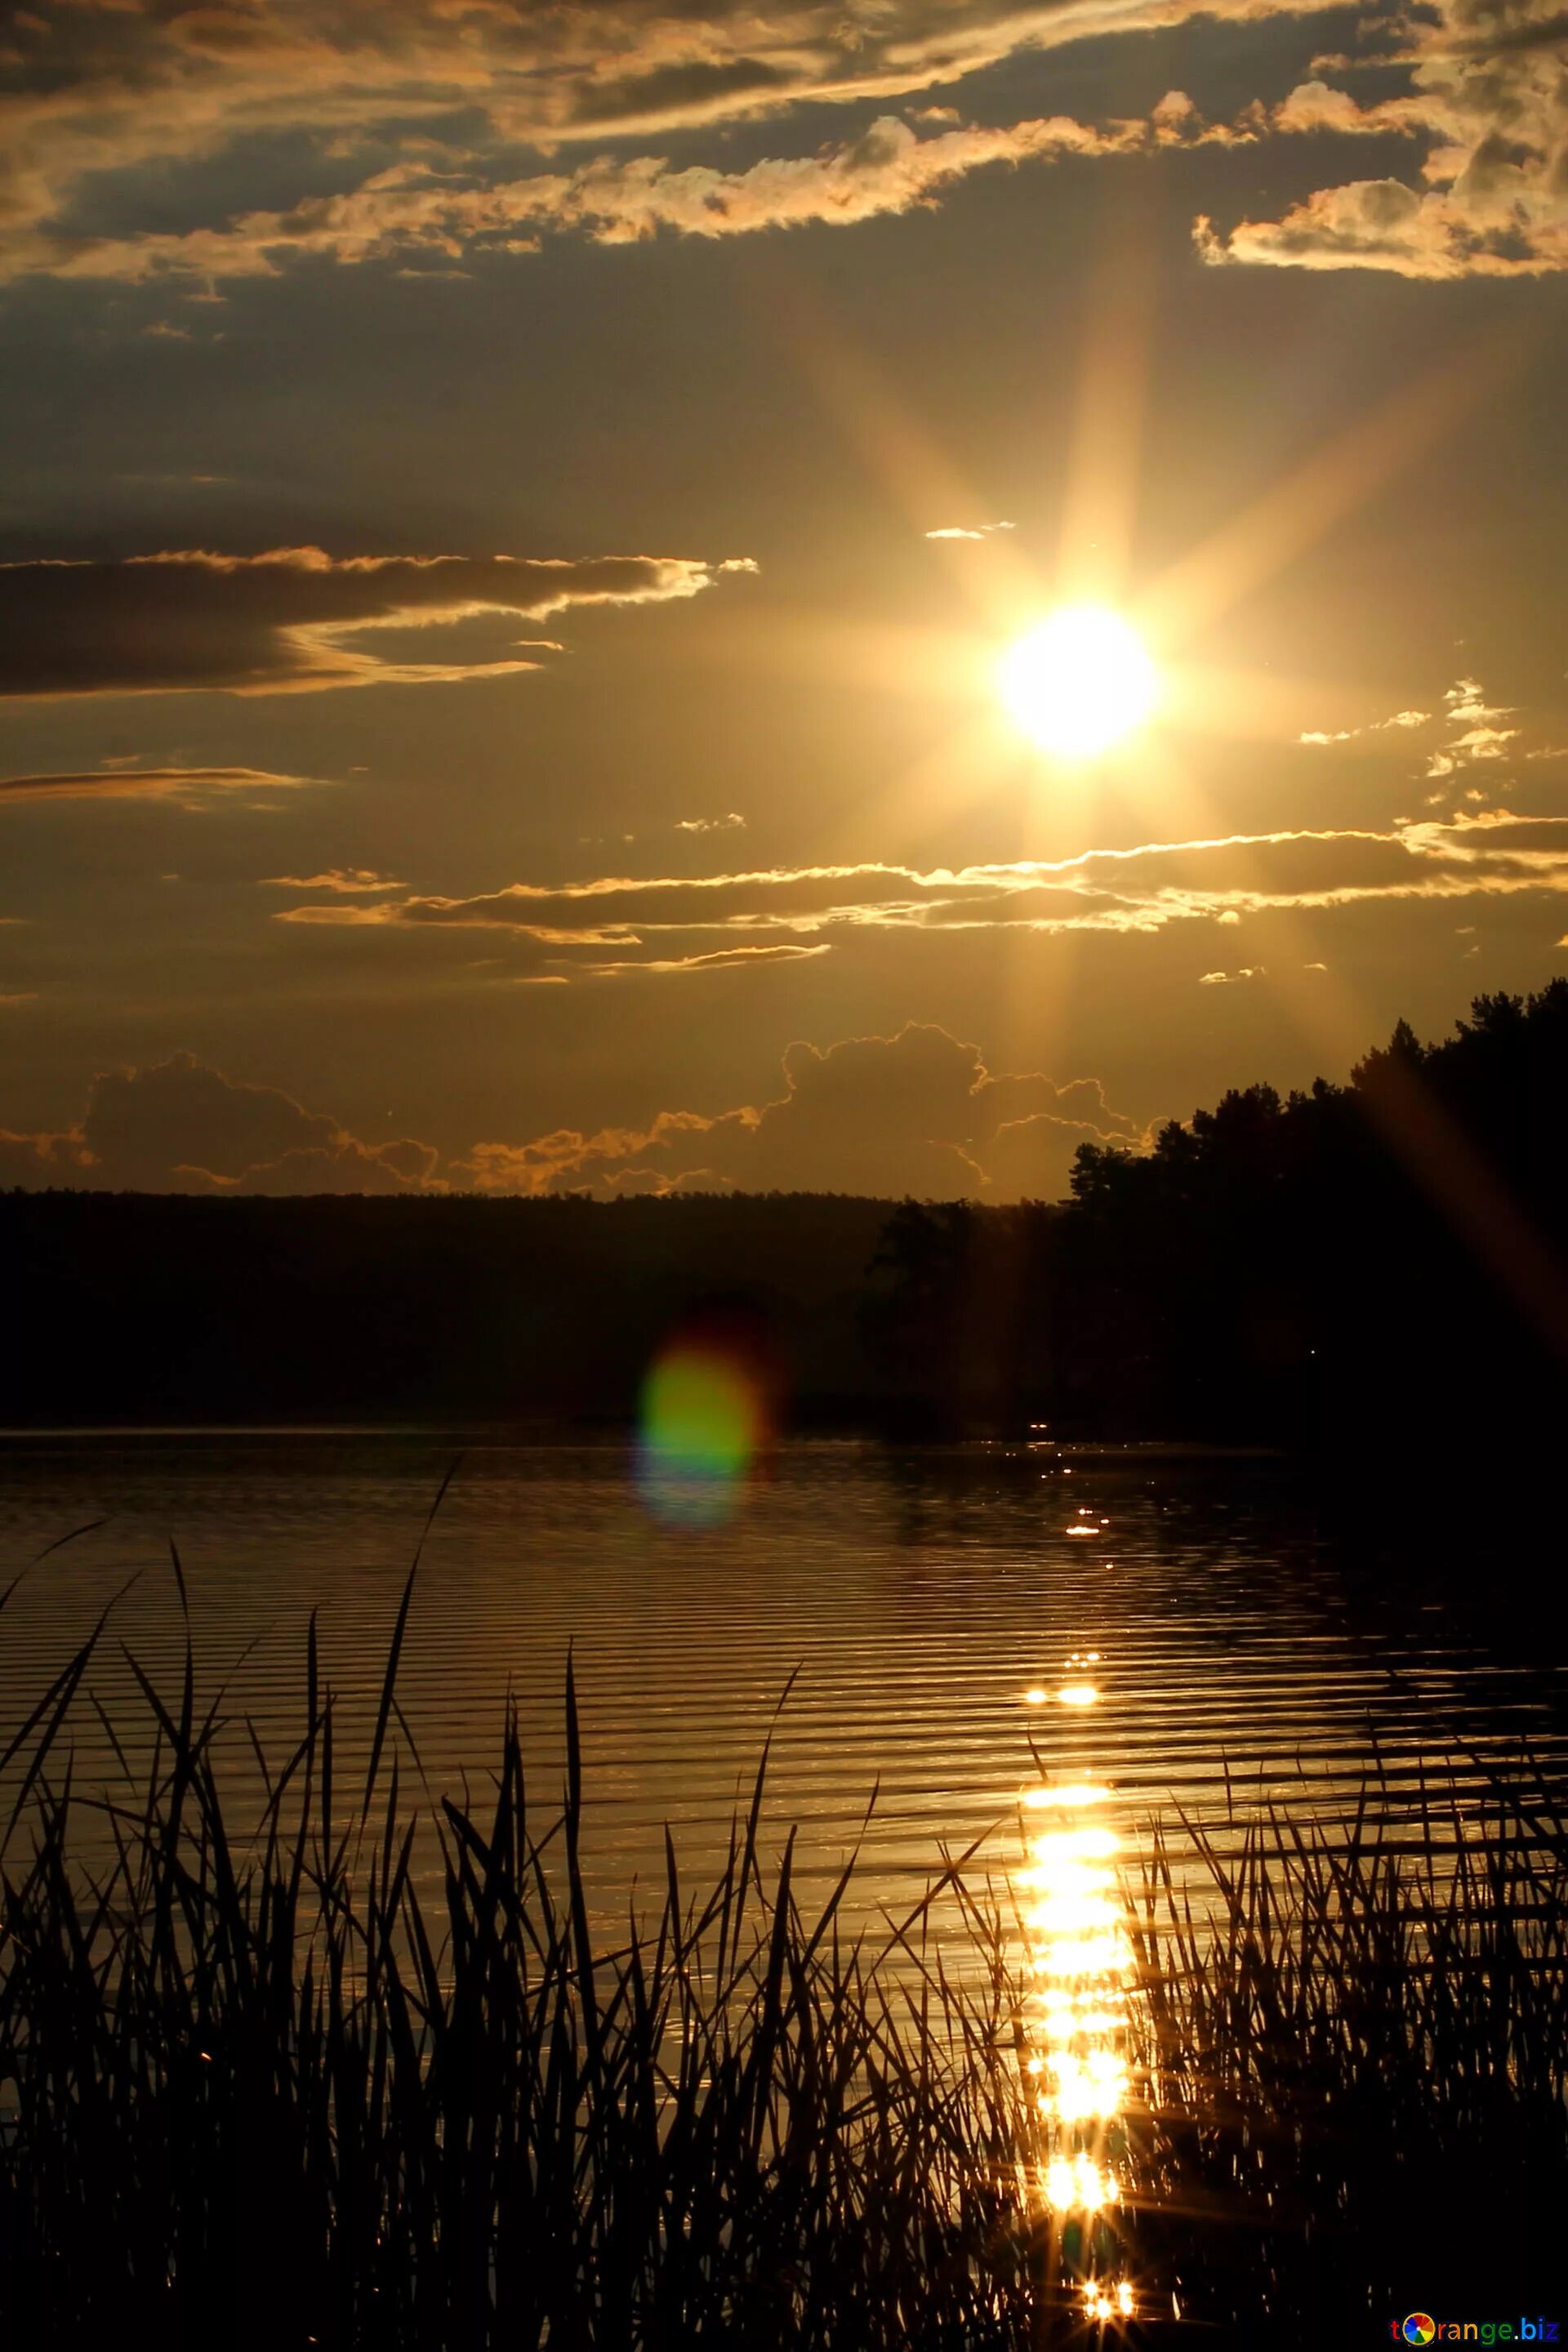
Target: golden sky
{"x":517,"y":519}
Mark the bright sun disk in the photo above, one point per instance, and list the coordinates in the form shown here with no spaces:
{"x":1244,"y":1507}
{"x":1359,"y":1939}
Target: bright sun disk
{"x":1078,"y":682}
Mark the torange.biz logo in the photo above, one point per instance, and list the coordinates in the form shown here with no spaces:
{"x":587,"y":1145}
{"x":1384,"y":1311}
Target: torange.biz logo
{"x":1420,"y":2328}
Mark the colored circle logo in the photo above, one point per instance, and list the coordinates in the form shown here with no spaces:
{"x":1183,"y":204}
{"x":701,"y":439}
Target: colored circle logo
{"x":1419,"y":2328}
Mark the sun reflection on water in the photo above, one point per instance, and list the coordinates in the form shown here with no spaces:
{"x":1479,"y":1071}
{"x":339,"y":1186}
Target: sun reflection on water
{"x":1080,"y":1964}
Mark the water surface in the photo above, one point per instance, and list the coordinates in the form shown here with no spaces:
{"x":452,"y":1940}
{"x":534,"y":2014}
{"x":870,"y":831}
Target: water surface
{"x":931,"y":1610}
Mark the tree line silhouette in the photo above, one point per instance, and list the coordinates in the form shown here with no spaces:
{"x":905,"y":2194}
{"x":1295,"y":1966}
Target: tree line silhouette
{"x":1348,"y":1271}
{"x":1387,"y":1256}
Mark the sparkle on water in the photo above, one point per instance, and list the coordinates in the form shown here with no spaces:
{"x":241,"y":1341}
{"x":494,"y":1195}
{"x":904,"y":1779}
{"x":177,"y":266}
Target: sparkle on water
{"x":1079,"y":1959}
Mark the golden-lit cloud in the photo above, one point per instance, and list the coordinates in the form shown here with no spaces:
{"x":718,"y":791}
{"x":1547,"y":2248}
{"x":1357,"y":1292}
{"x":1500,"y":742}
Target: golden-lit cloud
{"x":1487,"y":100}
{"x":131,"y":84}
{"x":290,"y":620}
{"x":1146,"y":888}
{"x":979,"y":532}
{"x":917,"y":1112}
{"x":189,"y":785}
{"x":350,"y":881}
{"x":1404,"y":719}
{"x":714,"y":960}
{"x":443,"y":99}
{"x":415,"y":209}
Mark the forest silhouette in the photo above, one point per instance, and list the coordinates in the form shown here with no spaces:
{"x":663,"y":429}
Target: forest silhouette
{"x":1352,"y":1273}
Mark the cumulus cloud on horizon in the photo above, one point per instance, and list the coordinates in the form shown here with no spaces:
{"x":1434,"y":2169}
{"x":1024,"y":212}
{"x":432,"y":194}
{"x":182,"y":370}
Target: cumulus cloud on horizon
{"x":182,"y":1126}
{"x":916,"y":1113}
{"x":291,"y":620}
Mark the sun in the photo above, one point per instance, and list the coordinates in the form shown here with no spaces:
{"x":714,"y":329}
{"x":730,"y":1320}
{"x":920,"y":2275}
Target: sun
{"x":1078,"y":682}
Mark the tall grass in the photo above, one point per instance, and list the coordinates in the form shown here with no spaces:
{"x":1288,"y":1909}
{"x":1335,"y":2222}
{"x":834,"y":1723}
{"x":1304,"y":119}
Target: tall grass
{"x":1357,"y":2057}
{"x":260,"y":2093}
{"x":264,"y":2098}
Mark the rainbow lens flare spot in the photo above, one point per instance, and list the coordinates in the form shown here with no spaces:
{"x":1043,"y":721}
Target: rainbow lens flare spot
{"x":1419,"y":2328}
{"x":703,"y":1417}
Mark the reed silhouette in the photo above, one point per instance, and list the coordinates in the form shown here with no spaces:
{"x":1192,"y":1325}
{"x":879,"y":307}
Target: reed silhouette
{"x":255,"y":2091}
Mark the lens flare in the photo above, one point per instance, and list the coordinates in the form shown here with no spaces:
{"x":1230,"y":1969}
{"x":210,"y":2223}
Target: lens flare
{"x":704,"y":1415}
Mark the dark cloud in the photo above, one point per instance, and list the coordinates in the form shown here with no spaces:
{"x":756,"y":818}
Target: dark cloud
{"x":918,"y":1112}
{"x":181,"y":1127}
{"x":287,"y":620}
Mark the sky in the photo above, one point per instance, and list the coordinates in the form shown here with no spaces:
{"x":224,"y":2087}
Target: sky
{"x":515,"y":520}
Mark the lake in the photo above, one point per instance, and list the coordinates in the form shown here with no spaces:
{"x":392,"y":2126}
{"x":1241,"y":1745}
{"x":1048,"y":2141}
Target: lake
{"x":933,"y":1608}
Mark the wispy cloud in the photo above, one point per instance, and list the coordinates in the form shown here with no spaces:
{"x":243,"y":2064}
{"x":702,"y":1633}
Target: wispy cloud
{"x":1145,"y":889}
{"x":410,"y":210}
{"x":190,"y":785}
{"x":1401,"y":719}
{"x":714,"y":960}
{"x":290,"y":620}
{"x":347,"y":881}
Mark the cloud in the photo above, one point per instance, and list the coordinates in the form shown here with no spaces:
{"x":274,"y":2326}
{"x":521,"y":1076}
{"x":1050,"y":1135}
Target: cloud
{"x":1465,"y":707}
{"x":918,"y":1112}
{"x":716,"y":960}
{"x":350,"y":881}
{"x":1467,"y":703}
{"x":434,"y":101}
{"x":1402,"y":718}
{"x":189,"y":785}
{"x":1227,"y":978}
{"x":982,"y":531}
{"x":1487,"y":100}
{"x":182,"y":1126}
{"x":287,"y":620}
{"x":130,"y":85}
{"x":673,"y":923}
{"x":417,"y":210}
{"x":730,"y":824}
